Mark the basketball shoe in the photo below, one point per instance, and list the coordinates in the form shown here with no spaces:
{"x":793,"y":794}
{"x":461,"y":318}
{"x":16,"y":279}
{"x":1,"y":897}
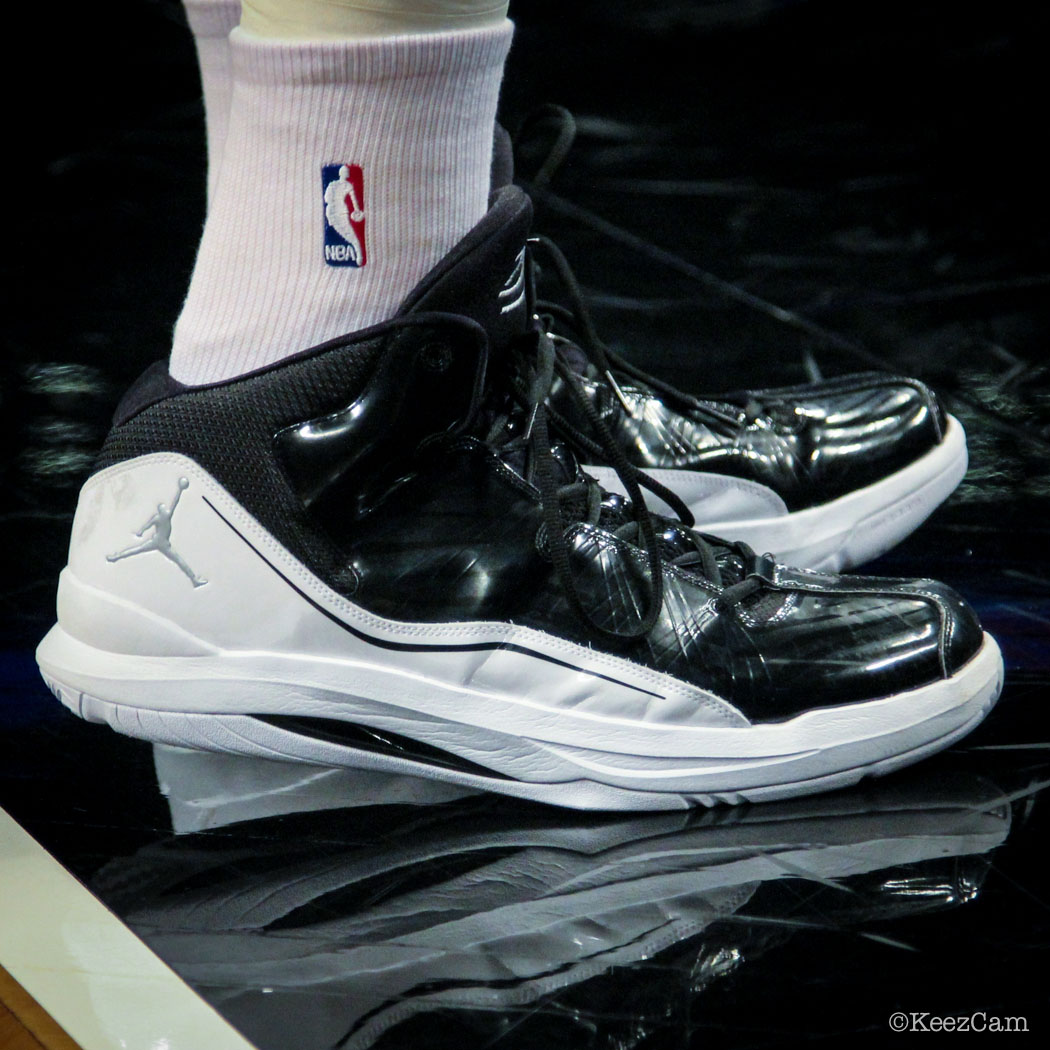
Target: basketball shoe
{"x":826,"y":475}
{"x":375,"y":554}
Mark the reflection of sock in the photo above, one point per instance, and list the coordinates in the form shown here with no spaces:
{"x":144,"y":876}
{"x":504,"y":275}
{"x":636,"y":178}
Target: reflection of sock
{"x":211,"y":22}
{"x":411,"y":118}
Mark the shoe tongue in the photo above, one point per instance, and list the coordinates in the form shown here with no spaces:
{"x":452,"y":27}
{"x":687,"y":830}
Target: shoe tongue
{"x":483,"y":276}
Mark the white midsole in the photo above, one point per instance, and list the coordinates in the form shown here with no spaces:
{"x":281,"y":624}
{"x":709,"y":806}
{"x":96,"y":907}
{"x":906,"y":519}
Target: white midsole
{"x":520,"y":738}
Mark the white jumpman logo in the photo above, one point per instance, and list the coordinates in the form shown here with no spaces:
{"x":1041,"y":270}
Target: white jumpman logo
{"x":341,"y":207}
{"x":160,"y":523}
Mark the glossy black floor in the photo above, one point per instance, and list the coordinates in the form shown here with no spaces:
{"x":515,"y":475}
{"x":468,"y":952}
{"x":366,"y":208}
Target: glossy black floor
{"x":761,"y":191}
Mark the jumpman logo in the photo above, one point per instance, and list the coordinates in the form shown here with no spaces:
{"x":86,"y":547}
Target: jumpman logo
{"x":160,"y":541}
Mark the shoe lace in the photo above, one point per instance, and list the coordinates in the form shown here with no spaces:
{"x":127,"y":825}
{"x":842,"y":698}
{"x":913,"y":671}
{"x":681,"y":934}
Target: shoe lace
{"x":577,"y":317}
{"x":611,"y":366}
{"x":519,"y":426}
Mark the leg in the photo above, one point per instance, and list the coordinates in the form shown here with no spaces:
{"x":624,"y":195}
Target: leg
{"x":314,"y":19}
{"x":175,"y":557}
{"x":138,"y":548}
{"x":211,"y":22}
{"x":411,"y":116}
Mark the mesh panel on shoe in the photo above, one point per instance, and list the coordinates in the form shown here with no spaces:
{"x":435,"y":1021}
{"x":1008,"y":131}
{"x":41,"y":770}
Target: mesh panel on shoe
{"x":229,"y":428}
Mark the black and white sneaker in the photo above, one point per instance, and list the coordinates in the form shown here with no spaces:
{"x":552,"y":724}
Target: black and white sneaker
{"x":372,"y":555}
{"x":825,"y":475}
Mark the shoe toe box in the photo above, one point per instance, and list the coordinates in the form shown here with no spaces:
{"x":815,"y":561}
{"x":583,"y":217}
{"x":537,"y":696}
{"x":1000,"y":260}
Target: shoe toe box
{"x":862,"y":433}
{"x":844,"y":641}
{"x":961,"y":634}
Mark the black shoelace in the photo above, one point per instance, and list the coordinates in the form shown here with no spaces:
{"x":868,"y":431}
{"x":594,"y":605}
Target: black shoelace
{"x":515,"y":406}
{"x":609,"y":364}
{"x":521,"y":426}
{"x":577,"y":318}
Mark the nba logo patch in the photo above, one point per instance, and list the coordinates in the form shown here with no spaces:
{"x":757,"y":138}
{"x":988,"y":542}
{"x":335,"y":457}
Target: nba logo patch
{"x":344,"y":215}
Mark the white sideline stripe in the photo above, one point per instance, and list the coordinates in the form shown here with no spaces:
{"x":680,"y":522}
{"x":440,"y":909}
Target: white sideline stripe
{"x":86,"y":968}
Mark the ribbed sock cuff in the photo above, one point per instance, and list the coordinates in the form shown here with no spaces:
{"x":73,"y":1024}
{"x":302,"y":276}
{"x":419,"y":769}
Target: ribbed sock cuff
{"x":262,"y":60}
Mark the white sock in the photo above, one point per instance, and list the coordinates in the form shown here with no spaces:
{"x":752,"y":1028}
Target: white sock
{"x":211,"y":22}
{"x":285,"y":263}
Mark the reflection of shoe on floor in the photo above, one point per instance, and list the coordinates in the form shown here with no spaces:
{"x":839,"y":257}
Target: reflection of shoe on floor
{"x":472,"y":907}
{"x":207,"y":789}
{"x":403,"y":575}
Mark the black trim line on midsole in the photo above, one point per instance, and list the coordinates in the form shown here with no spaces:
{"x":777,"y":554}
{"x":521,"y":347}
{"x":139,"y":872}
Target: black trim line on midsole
{"x":377,"y":742}
{"x":466,"y":647}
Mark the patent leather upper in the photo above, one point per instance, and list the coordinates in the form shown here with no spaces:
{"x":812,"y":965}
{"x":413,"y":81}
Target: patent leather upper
{"x":458,"y":540}
{"x":808,"y":444}
{"x":437,"y":515}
